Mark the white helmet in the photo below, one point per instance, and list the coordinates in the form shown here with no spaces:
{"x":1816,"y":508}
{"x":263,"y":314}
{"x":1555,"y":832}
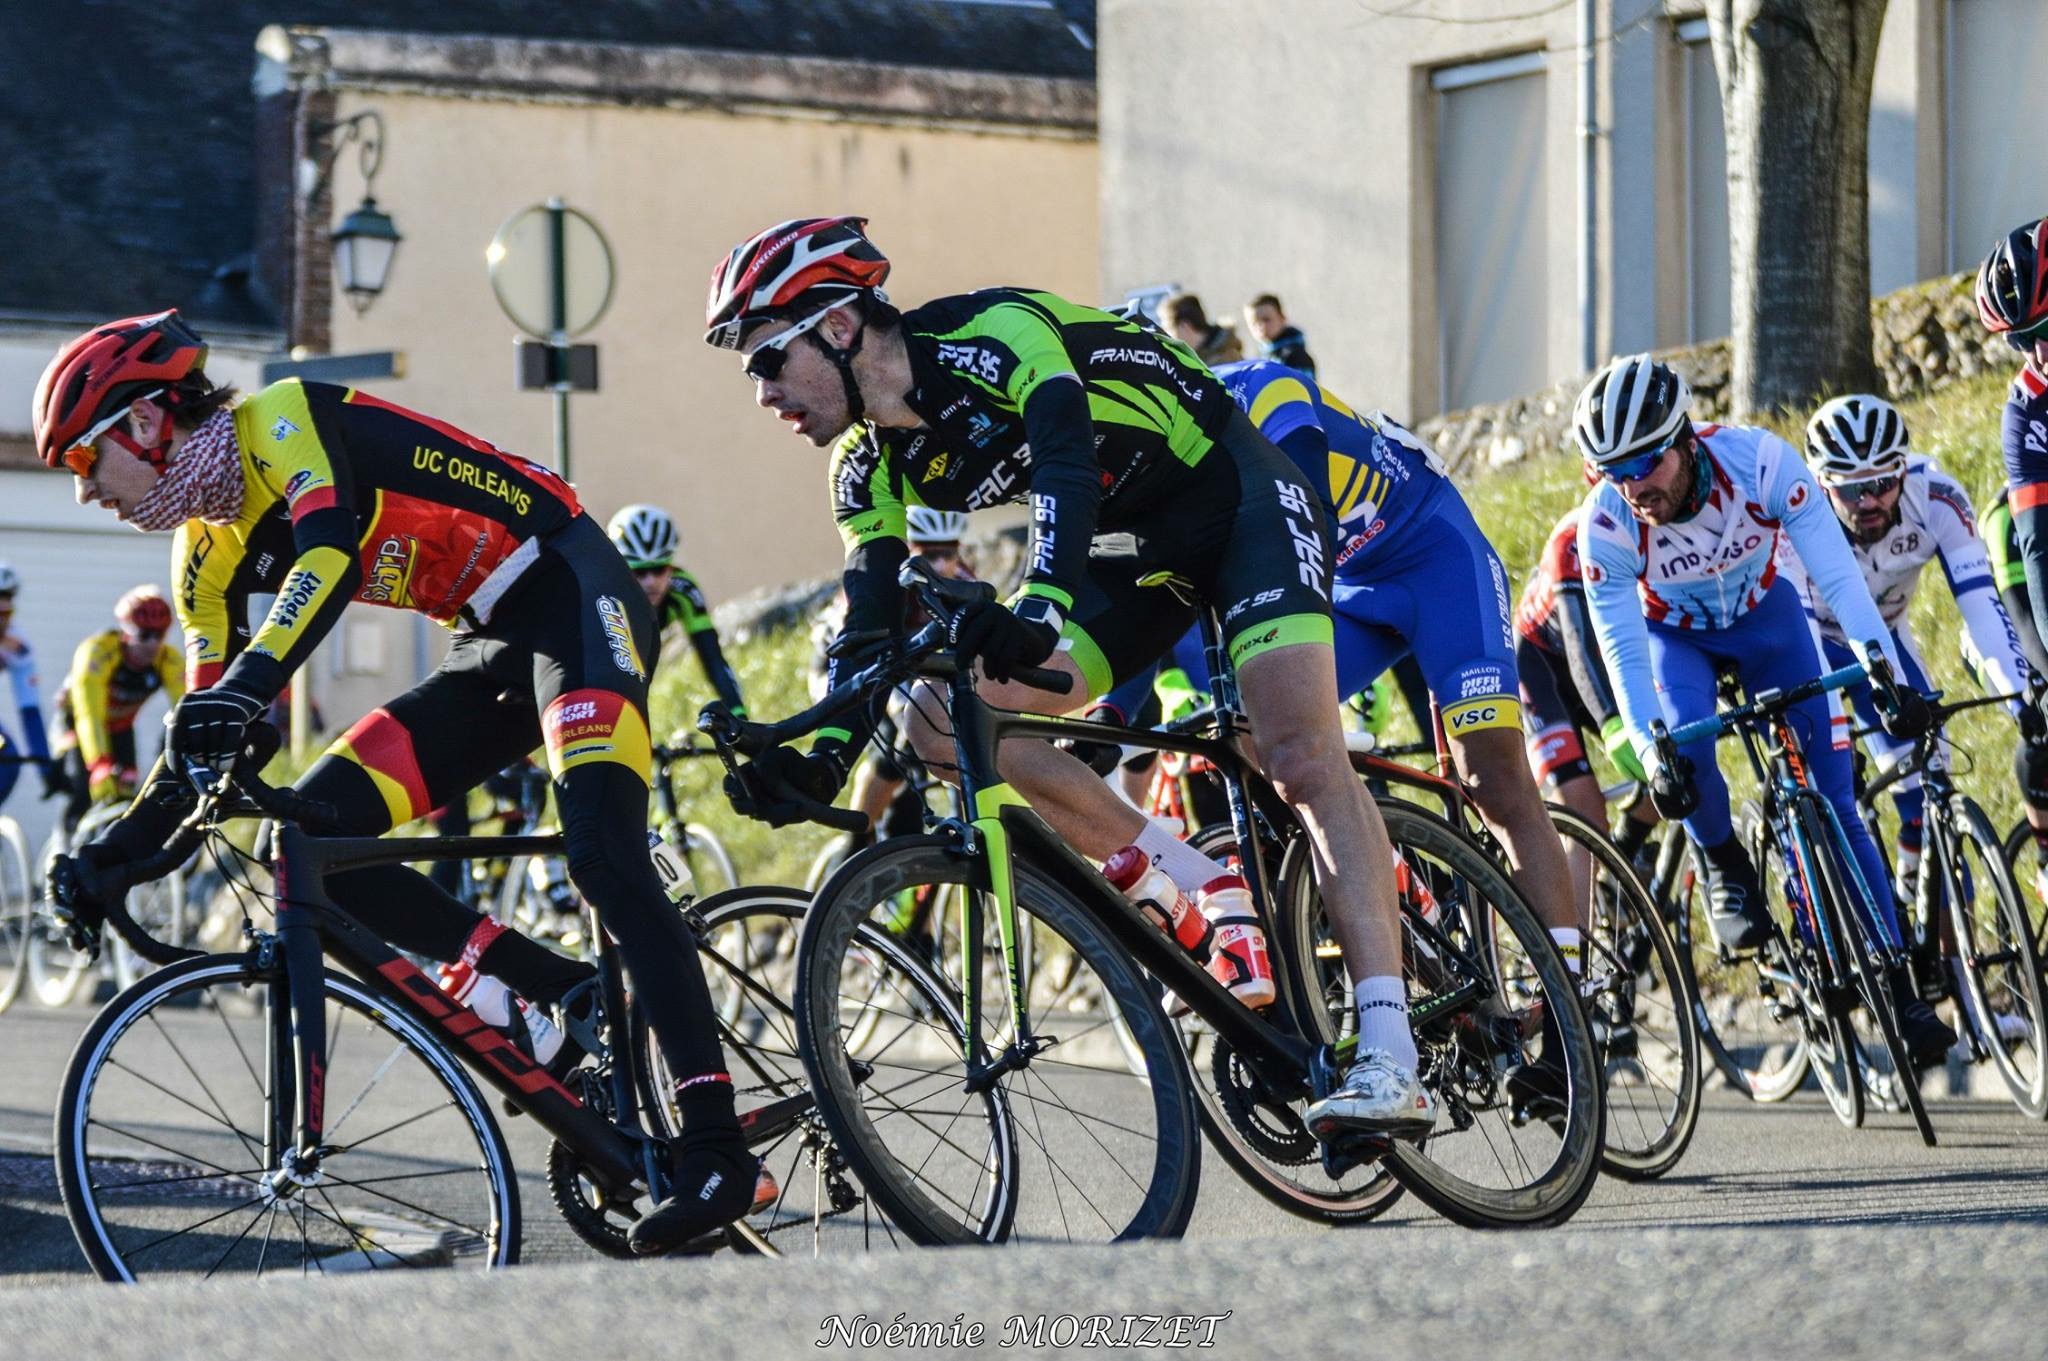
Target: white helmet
{"x":1856,"y":437}
{"x":936,"y":526}
{"x":1633,"y":406}
{"x":10,"y":580}
{"x":645,"y":535}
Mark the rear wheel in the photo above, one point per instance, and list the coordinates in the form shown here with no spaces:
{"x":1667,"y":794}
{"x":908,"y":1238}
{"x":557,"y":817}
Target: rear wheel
{"x":1995,"y":945}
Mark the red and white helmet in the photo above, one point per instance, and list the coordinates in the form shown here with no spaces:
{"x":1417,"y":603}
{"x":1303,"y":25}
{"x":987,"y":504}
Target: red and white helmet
{"x":767,"y":275}
{"x":2012,"y":283}
{"x":93,"y":378}
{"x":143,"y":610}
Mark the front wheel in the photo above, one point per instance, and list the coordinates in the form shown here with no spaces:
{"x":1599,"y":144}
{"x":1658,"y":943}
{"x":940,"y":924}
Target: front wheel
{"x":176,"y":1118}
{"x":17,"y":911}
{"x":1998,"y":951}
{"x":971,"y":1124}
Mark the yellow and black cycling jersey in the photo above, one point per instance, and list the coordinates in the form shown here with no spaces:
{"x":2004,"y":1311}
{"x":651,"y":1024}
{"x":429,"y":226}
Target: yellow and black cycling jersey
{"x":349,"y":497}
{"x":102,"y":693}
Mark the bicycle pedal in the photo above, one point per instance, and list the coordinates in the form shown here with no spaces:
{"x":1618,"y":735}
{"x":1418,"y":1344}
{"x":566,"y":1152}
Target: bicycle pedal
{"x":1347,"y":1153}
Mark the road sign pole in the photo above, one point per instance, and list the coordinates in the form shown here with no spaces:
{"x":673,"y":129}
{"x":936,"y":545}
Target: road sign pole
{"x":558,"y":327}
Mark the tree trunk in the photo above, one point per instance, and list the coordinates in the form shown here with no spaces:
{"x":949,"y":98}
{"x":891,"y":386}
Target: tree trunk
{"x":1795,"y":96}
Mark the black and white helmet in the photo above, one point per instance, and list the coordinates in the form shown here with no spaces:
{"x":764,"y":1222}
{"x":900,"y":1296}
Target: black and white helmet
{"x":645,"y":535}
{"x":935,"y":526}
{"x":1633,"y":406}
{"x":1856,"y":437}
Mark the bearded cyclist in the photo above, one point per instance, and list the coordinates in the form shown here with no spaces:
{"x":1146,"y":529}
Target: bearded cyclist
{"x":1680,"y":540}
{"x":18,"y":660}
{"x":1901,"y":511}
{"x":319,"y":495}
{"x":646,"y":538}
{"x":1009,"y":394}
{"x":113,"y":673}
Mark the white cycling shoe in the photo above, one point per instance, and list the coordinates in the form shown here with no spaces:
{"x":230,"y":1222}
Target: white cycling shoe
{"x":1378,"y":1096}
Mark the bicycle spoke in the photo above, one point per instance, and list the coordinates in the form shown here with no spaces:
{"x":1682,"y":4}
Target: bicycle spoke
{"x":154,"y":1021}
{"x":248,"y":1146}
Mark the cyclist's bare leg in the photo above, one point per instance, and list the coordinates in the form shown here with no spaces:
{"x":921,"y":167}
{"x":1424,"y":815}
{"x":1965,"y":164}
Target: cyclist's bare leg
{"x":1496,"y":768}
{"x":872,"y":794}
{"x":1290,"y":696}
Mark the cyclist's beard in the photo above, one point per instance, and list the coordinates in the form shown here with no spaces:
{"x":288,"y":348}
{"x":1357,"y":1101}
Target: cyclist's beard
{"x":1866,"y":537}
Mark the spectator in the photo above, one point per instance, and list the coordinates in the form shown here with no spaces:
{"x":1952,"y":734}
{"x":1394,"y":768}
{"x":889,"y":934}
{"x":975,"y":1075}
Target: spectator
{"x":1187,"y":322}
{"x":1279,"y":339}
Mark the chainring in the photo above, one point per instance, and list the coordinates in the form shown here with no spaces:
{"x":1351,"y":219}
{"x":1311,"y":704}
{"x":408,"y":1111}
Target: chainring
{"x":1273,"y":1130}
{"x":583,"y":1207}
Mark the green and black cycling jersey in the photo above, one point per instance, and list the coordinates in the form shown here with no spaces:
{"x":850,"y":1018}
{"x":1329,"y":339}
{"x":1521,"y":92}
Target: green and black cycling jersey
{"x":2009,"y":574}
{"x":686,"y":608}
{"x":1023,"y":393}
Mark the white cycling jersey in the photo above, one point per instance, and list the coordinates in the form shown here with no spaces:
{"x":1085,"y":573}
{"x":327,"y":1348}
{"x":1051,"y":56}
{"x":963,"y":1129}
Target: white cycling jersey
{"x":1935,"y":521}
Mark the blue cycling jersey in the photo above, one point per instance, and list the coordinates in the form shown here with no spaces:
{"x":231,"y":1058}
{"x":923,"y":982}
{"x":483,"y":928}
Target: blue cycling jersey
{"x":1708,"y":571}
{"x":1378,"y":476}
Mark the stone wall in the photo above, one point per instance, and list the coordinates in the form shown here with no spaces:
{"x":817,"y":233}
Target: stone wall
{"x":1923,"y":337}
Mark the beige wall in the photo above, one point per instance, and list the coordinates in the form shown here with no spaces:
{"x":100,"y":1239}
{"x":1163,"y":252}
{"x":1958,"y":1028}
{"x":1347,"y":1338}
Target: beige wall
{"x":674,"y":422}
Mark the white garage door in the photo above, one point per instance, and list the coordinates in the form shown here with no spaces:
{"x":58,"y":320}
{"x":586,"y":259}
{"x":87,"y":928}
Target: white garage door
{"x":1491,"y":255}
{"x":75,"y":562}
{"x":1996,"y":100}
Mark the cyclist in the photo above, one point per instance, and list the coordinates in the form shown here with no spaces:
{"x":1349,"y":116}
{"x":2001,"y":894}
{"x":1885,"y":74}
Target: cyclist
{"x":113,"y":673}
{"x":2012,"y":301}
{"x":646,"y":538}
{"x":1690,"y":518}
{"x":2001,"y":543}
{"x":19,"y":662}
{"x":1008,"y":394}
{"x":323,"y":494}
{"x":1565,"y":692}
{"x":1901,"y":511}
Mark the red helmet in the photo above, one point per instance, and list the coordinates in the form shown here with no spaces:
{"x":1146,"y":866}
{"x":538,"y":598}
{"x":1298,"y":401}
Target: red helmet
{"x":767,"y":274}
{"x":94,"y":378}
{"x":143,"y":610}
{"x":2012,"y":283}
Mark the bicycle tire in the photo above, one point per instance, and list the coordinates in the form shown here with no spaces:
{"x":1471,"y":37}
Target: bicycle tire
{"x":1165,"y":1194}
{"x":2033,"y":884}
{"x":1729,"y":1013}
{"x":174,"y":992}
{"x":1629,"y":957}
{"x":1871,"y":984}
{"x":2017,"y":990}
{"x":17,"y":910}
{"x":1555,"y":1194}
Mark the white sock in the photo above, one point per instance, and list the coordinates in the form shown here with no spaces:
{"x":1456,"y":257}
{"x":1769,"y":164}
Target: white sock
{"x":1566,"y":938}
{"x":1189,"y":869}
{"x":1383,"y":1018}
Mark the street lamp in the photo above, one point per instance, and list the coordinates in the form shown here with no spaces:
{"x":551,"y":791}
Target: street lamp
{"x":366,"y":239}
{"x":363,"y":246}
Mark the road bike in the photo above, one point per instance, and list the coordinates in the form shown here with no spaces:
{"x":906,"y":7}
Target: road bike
{"x":1112,"y":1154}
{"x":262,"y":1111}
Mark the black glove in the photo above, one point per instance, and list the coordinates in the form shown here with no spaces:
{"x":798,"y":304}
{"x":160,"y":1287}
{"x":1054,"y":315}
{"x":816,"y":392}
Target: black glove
{"x":778,"y":778}
{"x":1907,"y":716}
{"x":55,"y":786}
{"x":1100,"y":757}
{"x":81,"y":886}
{"x":1002,"y":639}
{"x":210,"y":724}
{"x":1672,"y":791}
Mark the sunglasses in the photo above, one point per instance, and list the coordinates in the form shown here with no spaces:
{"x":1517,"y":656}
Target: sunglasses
{"x":1870,"y":486}
{"x":764,"y":365}
{"x":82,"y":457}
{"x":1637,"y":467}
{"x":642,"y":573}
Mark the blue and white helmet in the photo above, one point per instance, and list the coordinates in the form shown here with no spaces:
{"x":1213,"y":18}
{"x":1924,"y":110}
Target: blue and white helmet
{"x":645,"y":536}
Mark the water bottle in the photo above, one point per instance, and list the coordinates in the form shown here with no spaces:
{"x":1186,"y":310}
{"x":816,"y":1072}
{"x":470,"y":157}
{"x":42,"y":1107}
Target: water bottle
{"x":1238,"y":958}
{"x":676,"y":880}
{"x":1152,"y":891}
{"x":495,"y":1004}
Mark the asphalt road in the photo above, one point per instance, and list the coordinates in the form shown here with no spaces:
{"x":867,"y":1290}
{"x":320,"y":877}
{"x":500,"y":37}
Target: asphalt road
{"x":1849,"y":1242}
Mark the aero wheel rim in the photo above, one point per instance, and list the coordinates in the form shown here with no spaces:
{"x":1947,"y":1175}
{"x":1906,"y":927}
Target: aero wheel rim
{"x":173,"y":1143}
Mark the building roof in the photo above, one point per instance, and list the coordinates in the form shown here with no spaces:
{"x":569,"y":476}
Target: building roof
{"x":127,"y":132}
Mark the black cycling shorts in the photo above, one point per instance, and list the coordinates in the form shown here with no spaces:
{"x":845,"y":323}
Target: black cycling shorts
{"x":1246,"y":534}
